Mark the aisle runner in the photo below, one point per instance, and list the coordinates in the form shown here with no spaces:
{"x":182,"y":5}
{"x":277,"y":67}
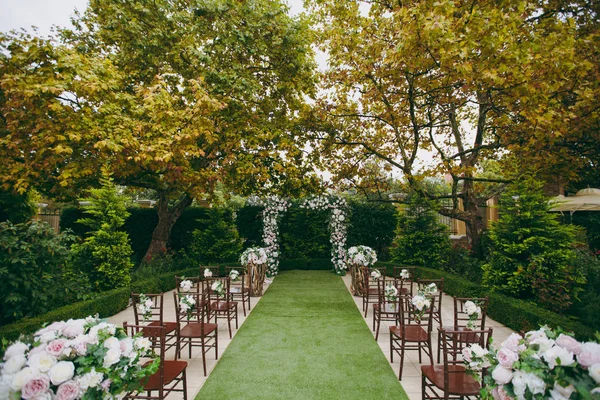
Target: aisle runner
{"x":305,"y":340}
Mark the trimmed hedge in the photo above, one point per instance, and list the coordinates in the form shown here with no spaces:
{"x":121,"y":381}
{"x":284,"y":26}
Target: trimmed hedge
{"x":106,"y":305}
{"x":323,"y":264}
{"x":519,"y":315}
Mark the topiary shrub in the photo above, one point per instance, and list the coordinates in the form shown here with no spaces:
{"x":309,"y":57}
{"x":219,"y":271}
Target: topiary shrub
{"x":218,"y":242}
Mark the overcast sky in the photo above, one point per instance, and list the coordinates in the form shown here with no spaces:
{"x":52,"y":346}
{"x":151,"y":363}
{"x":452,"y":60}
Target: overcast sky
{"x":45,"y":13}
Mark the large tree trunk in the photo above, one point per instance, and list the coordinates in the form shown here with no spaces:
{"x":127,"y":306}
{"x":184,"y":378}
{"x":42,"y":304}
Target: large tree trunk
{"x":166,"y":219}
{"x":473,"y":221}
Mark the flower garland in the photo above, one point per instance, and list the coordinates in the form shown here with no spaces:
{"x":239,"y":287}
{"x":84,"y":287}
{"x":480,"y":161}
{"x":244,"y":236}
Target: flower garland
{"x":274,"y":206}
{"x":391,"y":293}
{"x":234,"y":275}
{"x":338,"y":227}
{"x":473,"y":311}
{"x":185,"y":285}
{"x":76,"y":358}
{"x":187,"y":305}
{"x":218,"y":288}
{"x":145,"y":307}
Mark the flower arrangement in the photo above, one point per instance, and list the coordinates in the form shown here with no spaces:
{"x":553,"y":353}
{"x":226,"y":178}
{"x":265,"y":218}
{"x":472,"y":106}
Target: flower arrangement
{"x":254,"y":255}
{"x":145,"y":306}
{"x":185,"y":285}
{"x":234,"y":275}
{"x":208,"y":273}
{"x":187,"y":304}
{"x":404,"y":274}
{"x":74,"y":359}
{"x":429,"y":290}
{"x":421,"y":304}
{"x":338,"y":227}
{"x":545,"y":364}
{"x":391,"y":293}
{"x":473,"y":312}
{"x":274,"y":206}
{"x":218,"y":288}
{"x":375,"y":274}
{"x":362,"y":255}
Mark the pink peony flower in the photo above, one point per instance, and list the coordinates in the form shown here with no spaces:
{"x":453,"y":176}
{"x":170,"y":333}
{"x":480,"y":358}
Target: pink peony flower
{"x":56,"y":347}
{"x":589,"y":355}
{"x":35,"y":387}
{"x":105,"y":385}
{"x":68,"y":391}
{"x":466,"y":352}
{"x":507,"y":357}
{"x":512,"y":343}
{"x":569,"y":343}
{"x":502,"y":375}
{"x":500,"y":394}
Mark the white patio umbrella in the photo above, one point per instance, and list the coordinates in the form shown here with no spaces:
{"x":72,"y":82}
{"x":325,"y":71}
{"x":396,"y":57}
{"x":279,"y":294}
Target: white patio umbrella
{"x":584,"y":200}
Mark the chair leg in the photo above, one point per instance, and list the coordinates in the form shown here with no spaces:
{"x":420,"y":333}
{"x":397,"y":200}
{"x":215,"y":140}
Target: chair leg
{"x":229,"y":326}
{"x":178,"y":349}
{"x":430,"y":351}
{"x":391,"y":348}
{"x":401,"y":360}
{"x":378,"y":324}
{"x":236,"y":317}
{"x":202,"y":341}
{"x":184,"y":385}
{"x":243,"y":305}
{"x":190,"y":349}
{"x":216,"y":345}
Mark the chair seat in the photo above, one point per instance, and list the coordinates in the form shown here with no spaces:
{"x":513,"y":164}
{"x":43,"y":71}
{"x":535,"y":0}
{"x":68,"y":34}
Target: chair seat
{"x":373,"y":291}
{"x":172,"y":370}
{"x":223,"y":305}
{"x":412,"y":333}
{"x":194,"y":329}
{"x":238,"y":290}
{"x":169,"y":326}
{"x":460,"y":382}
{"x":388,"y":309}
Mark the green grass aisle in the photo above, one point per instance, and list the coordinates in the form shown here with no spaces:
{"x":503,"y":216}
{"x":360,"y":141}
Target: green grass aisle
{"x":305,"y":340}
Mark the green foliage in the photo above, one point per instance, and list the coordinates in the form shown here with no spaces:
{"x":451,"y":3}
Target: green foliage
{"x":461,"y":261}
{"x":218,"y":242}
{"x":31,"y":259}
{"x":421,"y":238}
{"x":372,"y":225}
{"x":249,"y":225}
{"x":587,"y":308}
{"x":531,"y":254}
{"x":16,"y":207}
{"x":304,"y":233}
{"x":590,"y":220}
{"x":104,"y":256}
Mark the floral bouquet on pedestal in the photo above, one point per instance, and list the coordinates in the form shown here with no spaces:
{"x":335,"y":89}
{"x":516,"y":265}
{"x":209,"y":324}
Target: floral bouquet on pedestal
{"x":254,"y":256}
{"x":69,"y":360}
{"x":545,"y":364}
{"x":361,"y":256}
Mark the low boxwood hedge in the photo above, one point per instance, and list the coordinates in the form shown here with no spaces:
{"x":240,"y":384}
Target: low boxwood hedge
{"x":516,"y":314}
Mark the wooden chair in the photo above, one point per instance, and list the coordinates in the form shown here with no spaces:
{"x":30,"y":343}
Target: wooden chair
{"x":451,"y":380}
{"x":216,"y":271}
{"x":413,"y":333}
{"x":437,"y":298}
{"x":239,"y":289}
{"x":462,"y":318}
{"x":195,"y":331}
{"x":171,"y":374}
{"x":406,"y":284}
{"x":155,"y":316}
{"x":221,"y":306}
{"x":385,"y":310}
{"x":369,"y":293}
{"x":196,"y":288}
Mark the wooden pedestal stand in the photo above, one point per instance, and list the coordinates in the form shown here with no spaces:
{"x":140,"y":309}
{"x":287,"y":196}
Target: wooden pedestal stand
{"x":257,"y":278}
{"x":358,"y":279}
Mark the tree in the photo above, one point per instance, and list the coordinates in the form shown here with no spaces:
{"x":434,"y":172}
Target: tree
{"x":174,"y":97}
{"x":462,"y":81}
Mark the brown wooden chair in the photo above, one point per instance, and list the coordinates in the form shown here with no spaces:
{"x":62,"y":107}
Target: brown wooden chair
{"x":194,"y":330}
{"x":462,"y":319}
{"x":413,"y":333}
{"x":216,"y":271}
{"x":369,"y":293}
{"x":155,"y":316}
{"x":451,"y":380}
{"x":171,"y":374}
{"x":221,"y":306}
{"x":436,"y":299}
{"x":406,"y":284}
{"x":384,"y":309}
{"x":196,"y":288}
{"x":240,"y":288}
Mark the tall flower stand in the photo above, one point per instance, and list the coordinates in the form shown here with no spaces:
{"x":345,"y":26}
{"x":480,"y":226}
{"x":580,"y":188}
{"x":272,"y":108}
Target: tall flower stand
{"x":358,"y":279}
{"x":257,"y":274}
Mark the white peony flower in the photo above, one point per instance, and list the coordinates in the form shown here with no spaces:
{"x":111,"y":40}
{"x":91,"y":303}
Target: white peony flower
{"x":594,"y":371}
{"x":111,"y":342}
{"x":142,"y":343}
{"x":74,"y":328}
{"x":90,"y":380}
{"x":61,"y":372}
{"x":502,"y":375}
{"x":22,"y":377}
{"x":561,"y":393}
{"x":512,"y":343}
{"x":112,"y":356}
{"x":15,"y":349}
{"x":42,"y":361}
{"x":479,"y":351}
{"x":14,"y":364}
{"x":590,"y":354}
{"x":558,"y":356}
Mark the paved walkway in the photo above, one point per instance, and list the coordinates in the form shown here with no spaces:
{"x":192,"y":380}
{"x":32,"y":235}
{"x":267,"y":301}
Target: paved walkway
{"x":411,"y":376}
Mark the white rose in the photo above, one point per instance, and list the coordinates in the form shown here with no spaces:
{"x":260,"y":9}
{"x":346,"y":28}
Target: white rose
{"x":479,"y":351}
{"x":519,"y":384}
{"x":512,"y":343}
{"x":74,"y":328}
{"x":112,"y":356}
{"x":47,"y":336}
{"x":42,"y":361}
{"x":61,"y":372}
{"x":14,"y":364}
{"x":533,"y":335}
{"x":535,"y":384}
{"x":594,"y":372}
{"x":544,"y":344}
{"x":22,"y":377}
{"x":89,"y":380}
{"x":111,"y":342}
{"x":502,"y":375}
{"x":142,"y":343}
{"x":5,"y":385}
{"x":556,"y":353}
{"x":561,"y":393}
{"x":15,"y":349}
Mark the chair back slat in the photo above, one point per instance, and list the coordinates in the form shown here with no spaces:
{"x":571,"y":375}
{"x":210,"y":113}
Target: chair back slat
{"x":156,"y":310}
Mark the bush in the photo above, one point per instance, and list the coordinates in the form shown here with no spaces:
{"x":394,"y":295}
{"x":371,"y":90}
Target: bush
{"x":218,"y":242}
{"x":421,"y":239}
{"x":304,"y":234}
{"x":531,"y":254}
{"x":587,"y":307}
{"x":372,"y":225}
{"x":31,"y":259}
{"x":16,"y":208}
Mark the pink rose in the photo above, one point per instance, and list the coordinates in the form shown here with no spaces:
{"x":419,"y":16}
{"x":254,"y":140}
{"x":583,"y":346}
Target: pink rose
{"x":569,"y":343}
{"x":502,"y":375}
{"x":466,"y":352}
{"x":67,"y":391}
{"x":56,"y":347}
{"x":512,"y":342}
{"x":589,"y":355}
{"x":105,"y":385}
{"x":499,"y":394}
{"x":35,"y":387}
{"x":507,"y":357}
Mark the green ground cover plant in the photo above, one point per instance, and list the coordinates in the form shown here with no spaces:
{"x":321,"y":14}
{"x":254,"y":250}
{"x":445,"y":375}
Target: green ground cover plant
{"x":304,"y":340}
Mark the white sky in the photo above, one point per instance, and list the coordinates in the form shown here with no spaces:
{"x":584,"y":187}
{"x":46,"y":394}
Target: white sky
{"x":45,"y":13}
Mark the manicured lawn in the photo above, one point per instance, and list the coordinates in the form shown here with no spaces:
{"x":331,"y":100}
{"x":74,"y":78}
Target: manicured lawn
{"x":305,"y":340}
